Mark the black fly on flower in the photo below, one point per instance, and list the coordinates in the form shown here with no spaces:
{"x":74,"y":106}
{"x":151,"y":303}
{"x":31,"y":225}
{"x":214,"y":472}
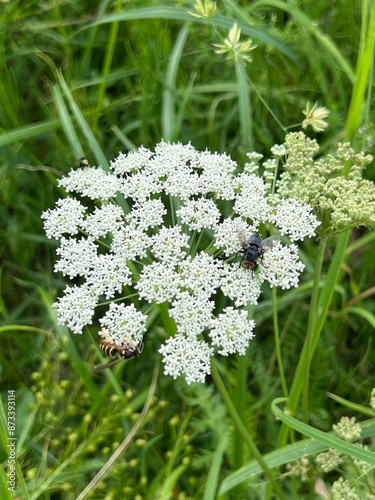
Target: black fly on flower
{"x":254,"y":247}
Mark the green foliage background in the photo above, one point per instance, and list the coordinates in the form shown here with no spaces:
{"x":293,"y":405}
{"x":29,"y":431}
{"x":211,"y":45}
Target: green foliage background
{"x":95,"y":78}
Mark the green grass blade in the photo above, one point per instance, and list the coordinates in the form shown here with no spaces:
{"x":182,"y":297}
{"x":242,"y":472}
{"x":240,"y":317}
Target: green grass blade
{"x":25,"y":416}
{"x":4,"y":431}
{"x":245,"y":108}
{"x":91,"y":41}
{"x":108,"y":60}
{"x":361,"y":243}
{"x":354,"y":407}
{"x":124,"y":140}
{"x":168,"y":115}
{"x":4,"y":491}
{"x":242,"y":429}
{"x":21,"y":482}
{"x":84,"y":126}
{"x":80,"y":367}
{"x":66,"y":123}
{"x":4,"y":451}
{"x":364,"y":65}
{"x":360,"y":311}
{"x":216,"y":464}
{"x":28,"y":132}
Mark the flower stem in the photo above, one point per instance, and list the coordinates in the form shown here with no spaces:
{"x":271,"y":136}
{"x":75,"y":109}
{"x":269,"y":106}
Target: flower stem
{"x":311,"y":337}
{"x":312,"y":334}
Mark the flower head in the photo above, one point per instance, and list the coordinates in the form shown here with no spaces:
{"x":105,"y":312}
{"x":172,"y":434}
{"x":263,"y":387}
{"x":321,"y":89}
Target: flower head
{"x":205,"y":9}
{"x":294,"y":219}
{"x":76,"y":256}
{"x":343,"y":201}
{"x":198,"y":214}
{"x":343,"y":489}
{"x":301,"y":468}
{"x":315,"y":117}
{"x":236,"y":51}
{"x":66,"y":218}
{"x":372,"y":399}
{"x":76,"y":307}
{"x":124,"y":322}
{"x":92,"y":182}
{"x":329,"y":460}
{"x":192,"y":313}
{"x":347,"y":429}
{"x":281,"y":266}
{"x":231,"y":331}
{"x":188,"y":356}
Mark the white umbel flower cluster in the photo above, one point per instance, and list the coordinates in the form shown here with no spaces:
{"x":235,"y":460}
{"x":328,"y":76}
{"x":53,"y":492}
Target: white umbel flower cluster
{"x":231,"y":331}
{"x":123,"y":322}
{"x":178,"y":235}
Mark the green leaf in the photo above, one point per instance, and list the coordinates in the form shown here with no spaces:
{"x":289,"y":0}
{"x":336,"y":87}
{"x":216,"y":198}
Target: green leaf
{"x":170,"y":483}
{"x":83,"y":125}
{"x":5,"y":494}
{"x":328,"y":439}
{"x":179,"y":14}
{"x":215,"y":468}
{"x":169,"y":94}
{"x":66,"y":123}
{"x":365,"y":410}
{"x":285,"y":455}
{"x":360,"y":311}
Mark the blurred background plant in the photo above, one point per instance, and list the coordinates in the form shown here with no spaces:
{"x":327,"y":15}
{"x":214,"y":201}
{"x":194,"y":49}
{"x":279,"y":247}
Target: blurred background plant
{"x":92,"y":79}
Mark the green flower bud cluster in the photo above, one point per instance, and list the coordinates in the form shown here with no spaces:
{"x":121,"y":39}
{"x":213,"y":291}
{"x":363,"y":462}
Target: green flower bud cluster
{"x":341,"y":201}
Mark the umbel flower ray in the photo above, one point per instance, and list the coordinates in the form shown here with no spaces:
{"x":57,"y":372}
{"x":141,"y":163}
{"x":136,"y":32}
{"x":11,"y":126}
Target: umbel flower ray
{"x":173,"y":244}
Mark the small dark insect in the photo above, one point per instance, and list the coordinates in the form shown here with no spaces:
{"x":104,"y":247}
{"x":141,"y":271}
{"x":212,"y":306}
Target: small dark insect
{"x":254,"y":247}
{"x":83,"y":162}
{"x":124,"y":351}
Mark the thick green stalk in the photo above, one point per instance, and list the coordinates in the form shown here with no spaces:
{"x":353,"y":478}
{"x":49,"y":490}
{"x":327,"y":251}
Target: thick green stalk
{"x":312,"y":334}
{"x":311,"y":337}
{"x":331,"y":279}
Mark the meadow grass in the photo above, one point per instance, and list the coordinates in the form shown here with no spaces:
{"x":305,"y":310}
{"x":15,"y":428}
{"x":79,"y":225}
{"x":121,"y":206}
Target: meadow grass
{"x":92,"y":79}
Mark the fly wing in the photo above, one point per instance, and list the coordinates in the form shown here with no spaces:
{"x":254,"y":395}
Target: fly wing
{"x":270,"y":242}
{"x":107,"y":365}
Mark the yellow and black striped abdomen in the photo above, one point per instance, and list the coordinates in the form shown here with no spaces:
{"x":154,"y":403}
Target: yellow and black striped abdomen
{"x":126,"y":351}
